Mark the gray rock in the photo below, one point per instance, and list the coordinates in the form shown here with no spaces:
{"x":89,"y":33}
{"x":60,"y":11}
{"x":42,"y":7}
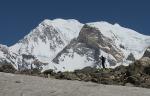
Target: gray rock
{"x":147,"y":53}
{"x":129,"y":85}
{"x":131,"y":57}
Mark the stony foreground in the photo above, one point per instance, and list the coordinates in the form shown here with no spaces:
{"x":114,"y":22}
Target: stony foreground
{"x":21,"y":85}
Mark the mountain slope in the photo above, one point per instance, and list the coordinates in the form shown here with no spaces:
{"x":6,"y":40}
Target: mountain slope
{"x":86,"y":51}
{"x":6,"y":56}
{"x":47,"y":40}
{"x":119,"y":45}
{"x":132,"y":41}
{"x":66,"y":45}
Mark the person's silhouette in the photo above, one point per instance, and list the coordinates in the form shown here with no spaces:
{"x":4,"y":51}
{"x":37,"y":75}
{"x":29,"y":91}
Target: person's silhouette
{"x":103,"y":61}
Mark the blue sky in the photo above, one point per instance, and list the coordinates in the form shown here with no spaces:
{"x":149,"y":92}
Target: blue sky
{"x":18,"y":17}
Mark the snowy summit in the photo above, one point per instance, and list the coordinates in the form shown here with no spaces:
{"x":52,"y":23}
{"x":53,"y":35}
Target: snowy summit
{"x":67,"y":45}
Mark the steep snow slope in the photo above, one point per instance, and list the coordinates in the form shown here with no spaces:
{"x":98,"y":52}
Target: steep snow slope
{"x":6,"y":56}
{"x":49,"y":38}
{"x":74,"y":56}
{"x":129,"y":41}
{"x":118,"y":44}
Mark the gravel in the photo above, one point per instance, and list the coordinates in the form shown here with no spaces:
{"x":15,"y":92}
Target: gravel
{"x":22,"y":85}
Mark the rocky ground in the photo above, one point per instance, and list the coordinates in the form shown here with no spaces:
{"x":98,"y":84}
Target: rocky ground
{"x":136,"y":74}
{"x":22,"y":85}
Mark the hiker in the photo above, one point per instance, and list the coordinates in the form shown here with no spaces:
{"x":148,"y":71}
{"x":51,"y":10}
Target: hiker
{"x":103,"y":61}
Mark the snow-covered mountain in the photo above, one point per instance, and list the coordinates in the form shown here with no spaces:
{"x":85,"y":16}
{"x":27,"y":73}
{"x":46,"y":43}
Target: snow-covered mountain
{"x":132,"y":41}
{"x":118,"y":44}
{"x":6,"y":56}
{"x":66,"y":45}
{"x":47,"y":40}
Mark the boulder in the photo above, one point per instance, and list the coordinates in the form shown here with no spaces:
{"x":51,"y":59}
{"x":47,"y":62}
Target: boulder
{"x":147,"y":52}
{"x":129,"y":85}
{"x":131,"y":57}
{"x":8,"y":68}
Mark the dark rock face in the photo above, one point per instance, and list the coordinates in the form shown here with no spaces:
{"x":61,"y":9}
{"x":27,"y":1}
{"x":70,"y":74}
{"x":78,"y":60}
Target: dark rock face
{"x":147,"y":53}
{"x":8,"y":68}
{"x":24,"y":56}
{"x":94,"y":39}
{"x":131,"y":57}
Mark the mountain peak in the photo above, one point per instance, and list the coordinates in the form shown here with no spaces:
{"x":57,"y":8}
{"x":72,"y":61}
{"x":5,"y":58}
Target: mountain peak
{"x":117,"y":25}
{"x":59,"y":21}
{"x":69,"y":41}
{"x":48,"y":38}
